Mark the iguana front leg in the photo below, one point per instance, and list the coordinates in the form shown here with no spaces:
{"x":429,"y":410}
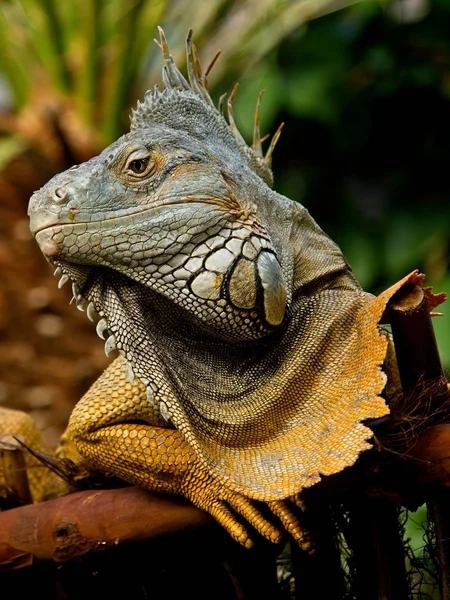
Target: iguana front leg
{"x":118,"y":431}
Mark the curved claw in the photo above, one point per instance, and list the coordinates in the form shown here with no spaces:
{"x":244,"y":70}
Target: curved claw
{"x":228,"y":521}
{"x":245,"y":507}
{"x":291,"y":523}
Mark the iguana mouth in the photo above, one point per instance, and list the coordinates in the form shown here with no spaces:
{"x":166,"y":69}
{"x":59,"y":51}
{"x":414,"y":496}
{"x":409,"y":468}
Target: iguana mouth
{"x":38,"y":228}
{"x":45,"y":220}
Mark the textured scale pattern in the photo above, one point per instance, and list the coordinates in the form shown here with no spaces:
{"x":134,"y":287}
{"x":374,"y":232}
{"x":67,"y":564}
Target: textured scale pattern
{"x":250,"y":356}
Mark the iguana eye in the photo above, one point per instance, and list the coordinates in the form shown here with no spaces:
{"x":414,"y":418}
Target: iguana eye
{"x":138,"y":165}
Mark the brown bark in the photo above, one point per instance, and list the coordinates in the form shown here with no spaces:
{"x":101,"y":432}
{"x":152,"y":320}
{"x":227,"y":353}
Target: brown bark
{"x":90,"y":521}
{"x":415,"y":342}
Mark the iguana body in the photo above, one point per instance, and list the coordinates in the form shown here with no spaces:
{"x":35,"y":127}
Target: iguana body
{"x":250,"y":355}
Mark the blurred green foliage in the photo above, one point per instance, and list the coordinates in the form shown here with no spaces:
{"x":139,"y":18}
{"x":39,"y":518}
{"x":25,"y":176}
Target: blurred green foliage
{"x":101,"y":54}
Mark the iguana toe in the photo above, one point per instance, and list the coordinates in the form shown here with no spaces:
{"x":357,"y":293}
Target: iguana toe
{"x":291,"y":524}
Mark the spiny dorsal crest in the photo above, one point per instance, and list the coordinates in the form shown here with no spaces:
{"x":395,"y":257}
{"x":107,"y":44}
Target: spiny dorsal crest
{"x":187,"y":105}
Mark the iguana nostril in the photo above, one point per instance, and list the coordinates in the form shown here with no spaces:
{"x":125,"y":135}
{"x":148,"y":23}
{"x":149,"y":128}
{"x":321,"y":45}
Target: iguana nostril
{"x":58,"y":195}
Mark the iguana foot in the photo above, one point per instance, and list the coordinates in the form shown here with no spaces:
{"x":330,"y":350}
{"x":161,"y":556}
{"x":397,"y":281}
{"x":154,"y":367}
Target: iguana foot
{"x":210,"y":494}
{"x":225,"y":517}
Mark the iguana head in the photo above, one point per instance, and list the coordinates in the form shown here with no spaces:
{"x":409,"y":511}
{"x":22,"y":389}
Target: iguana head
{"x":169,"y":207}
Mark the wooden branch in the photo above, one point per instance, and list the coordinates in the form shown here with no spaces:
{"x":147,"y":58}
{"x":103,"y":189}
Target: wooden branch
{"x":90,"y":521}
{"x":415,"y":342}
{"x":419,"y":364}
{"x":423,"y":382}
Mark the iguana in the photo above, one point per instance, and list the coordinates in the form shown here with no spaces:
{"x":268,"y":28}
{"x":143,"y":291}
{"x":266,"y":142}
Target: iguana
{"x":250,"y":357}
